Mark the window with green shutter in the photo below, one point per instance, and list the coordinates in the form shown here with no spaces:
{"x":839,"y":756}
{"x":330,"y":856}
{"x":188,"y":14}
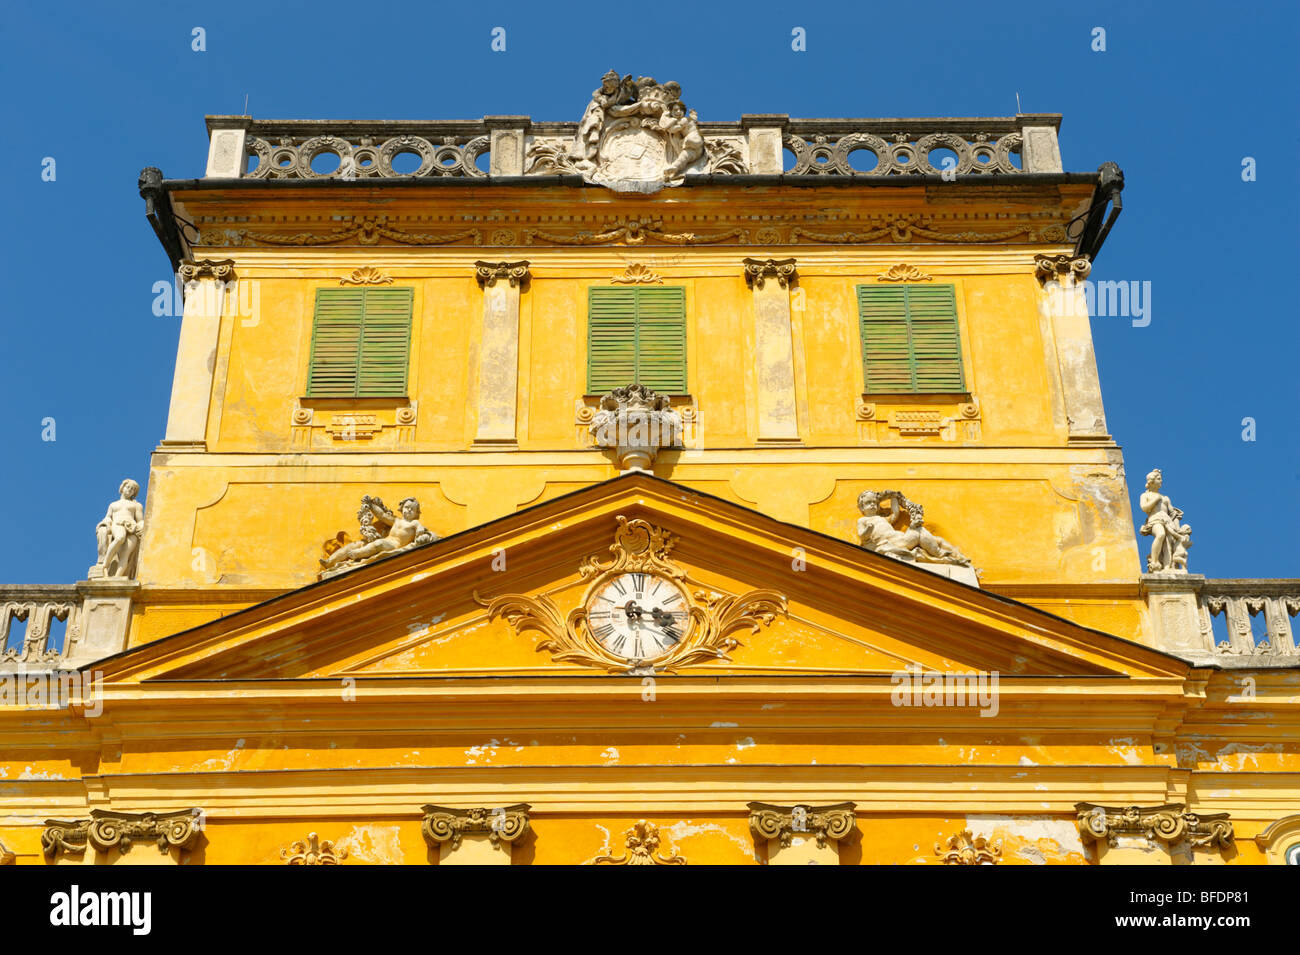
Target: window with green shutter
{"x":360,"y":343}
{"x":909,"y":339}
{"x":636,"y":335}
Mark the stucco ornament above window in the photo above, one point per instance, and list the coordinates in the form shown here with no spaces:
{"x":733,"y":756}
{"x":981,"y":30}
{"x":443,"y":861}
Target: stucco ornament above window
{"x":635,"y":136}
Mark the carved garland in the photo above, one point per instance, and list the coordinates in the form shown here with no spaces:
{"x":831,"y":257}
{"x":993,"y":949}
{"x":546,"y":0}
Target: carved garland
{"x":506,"y":824}
{"x":106,"y":830}
{"x":634,"y":232}
{"x":369,"y":230}
{"x":835,"y":822}
{"x":1169,"y":823}
{"x":638,"y":546}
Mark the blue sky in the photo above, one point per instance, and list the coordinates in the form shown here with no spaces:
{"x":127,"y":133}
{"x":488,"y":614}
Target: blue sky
{"x":1182,"y":93}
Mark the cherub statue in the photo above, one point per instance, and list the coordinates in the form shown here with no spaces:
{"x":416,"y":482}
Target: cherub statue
{"x":404,"y":532}
{"x":685,"y":134}
{"x":881,"y":534}
{"x":1170,"y":537}
{"x":118,"y":534}
{"x":612,"y":92}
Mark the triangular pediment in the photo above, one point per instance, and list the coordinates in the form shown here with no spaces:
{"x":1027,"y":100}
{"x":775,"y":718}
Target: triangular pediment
{"x":499,"y":600}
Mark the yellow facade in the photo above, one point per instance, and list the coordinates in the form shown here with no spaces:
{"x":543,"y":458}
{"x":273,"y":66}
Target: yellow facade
{"x":279,"y":705}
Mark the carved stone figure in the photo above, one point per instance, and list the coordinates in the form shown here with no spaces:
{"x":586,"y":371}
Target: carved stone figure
{"x":887,"y":534}
{"x":1170,"y":537}
{"x":403,"y":533}
{"x":636,"y":422}
{"x":633,"y":136}
{"x":118,"y":535}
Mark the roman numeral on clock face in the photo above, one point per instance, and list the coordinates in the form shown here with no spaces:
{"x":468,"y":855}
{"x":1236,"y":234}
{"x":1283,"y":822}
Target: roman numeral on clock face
{"x":603,"y":630}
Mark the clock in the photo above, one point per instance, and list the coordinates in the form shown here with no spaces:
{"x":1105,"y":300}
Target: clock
{"x":638,"y":616}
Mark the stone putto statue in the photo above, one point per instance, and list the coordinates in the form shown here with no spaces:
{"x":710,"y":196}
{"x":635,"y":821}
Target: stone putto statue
{"x":1170,"y":537}
{"x":887,"y":534}
{"x":403,"y":533}
{"x":118,"y":535}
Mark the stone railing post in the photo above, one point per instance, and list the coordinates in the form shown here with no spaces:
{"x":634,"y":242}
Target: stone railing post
{"x":1040,"y":151}
{"x":227,"y":138}
{"x":766,"y":149}
{"x":1176,"y":619}
{"x":506,"y":157}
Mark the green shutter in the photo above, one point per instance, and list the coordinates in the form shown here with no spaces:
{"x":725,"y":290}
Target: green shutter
{"x":636,"y":335}
{"x":910,"y":341}
{"x":360,"y":343}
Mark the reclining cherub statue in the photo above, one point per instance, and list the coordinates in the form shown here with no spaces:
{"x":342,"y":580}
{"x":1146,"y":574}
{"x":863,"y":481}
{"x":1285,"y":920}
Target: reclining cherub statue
{"x":404,"y":532}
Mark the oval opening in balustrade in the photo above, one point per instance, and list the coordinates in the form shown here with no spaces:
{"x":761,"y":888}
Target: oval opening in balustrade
{"x":406,"y":162}
{"x":326,"y":163}
{"x":943,"y":159}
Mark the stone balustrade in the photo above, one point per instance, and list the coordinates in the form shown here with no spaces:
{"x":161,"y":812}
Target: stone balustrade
{"x":38,"y":606}
{"x":1257,"y":613}
{"x":96,"y":614}
{"x":762,"y":144}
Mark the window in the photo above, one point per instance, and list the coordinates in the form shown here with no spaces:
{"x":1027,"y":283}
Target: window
{"x":636,"y":335}
{"x":909,"y":339}
{"x":360,"y":343}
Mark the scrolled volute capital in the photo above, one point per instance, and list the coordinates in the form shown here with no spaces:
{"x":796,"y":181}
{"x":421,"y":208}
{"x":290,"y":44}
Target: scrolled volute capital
{"x":1169,"y":823}
{"x":191,"y":270}
{"x":758,"y":271}
{"x":487,"y":273}
{"x":1058,"y":267}
{"x":443,"y":824}
{"x":834,"y":823}
{"x":106,"y":830}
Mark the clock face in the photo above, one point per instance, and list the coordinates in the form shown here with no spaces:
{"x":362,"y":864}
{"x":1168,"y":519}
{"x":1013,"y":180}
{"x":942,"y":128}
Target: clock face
{"x":638,"y":616}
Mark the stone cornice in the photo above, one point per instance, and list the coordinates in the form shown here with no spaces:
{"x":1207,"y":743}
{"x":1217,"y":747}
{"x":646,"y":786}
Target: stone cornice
{"x":834,"y":822}
{"x":1170,"y":823}
{"x":443,"y":824}
{"x":106,"y":830}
